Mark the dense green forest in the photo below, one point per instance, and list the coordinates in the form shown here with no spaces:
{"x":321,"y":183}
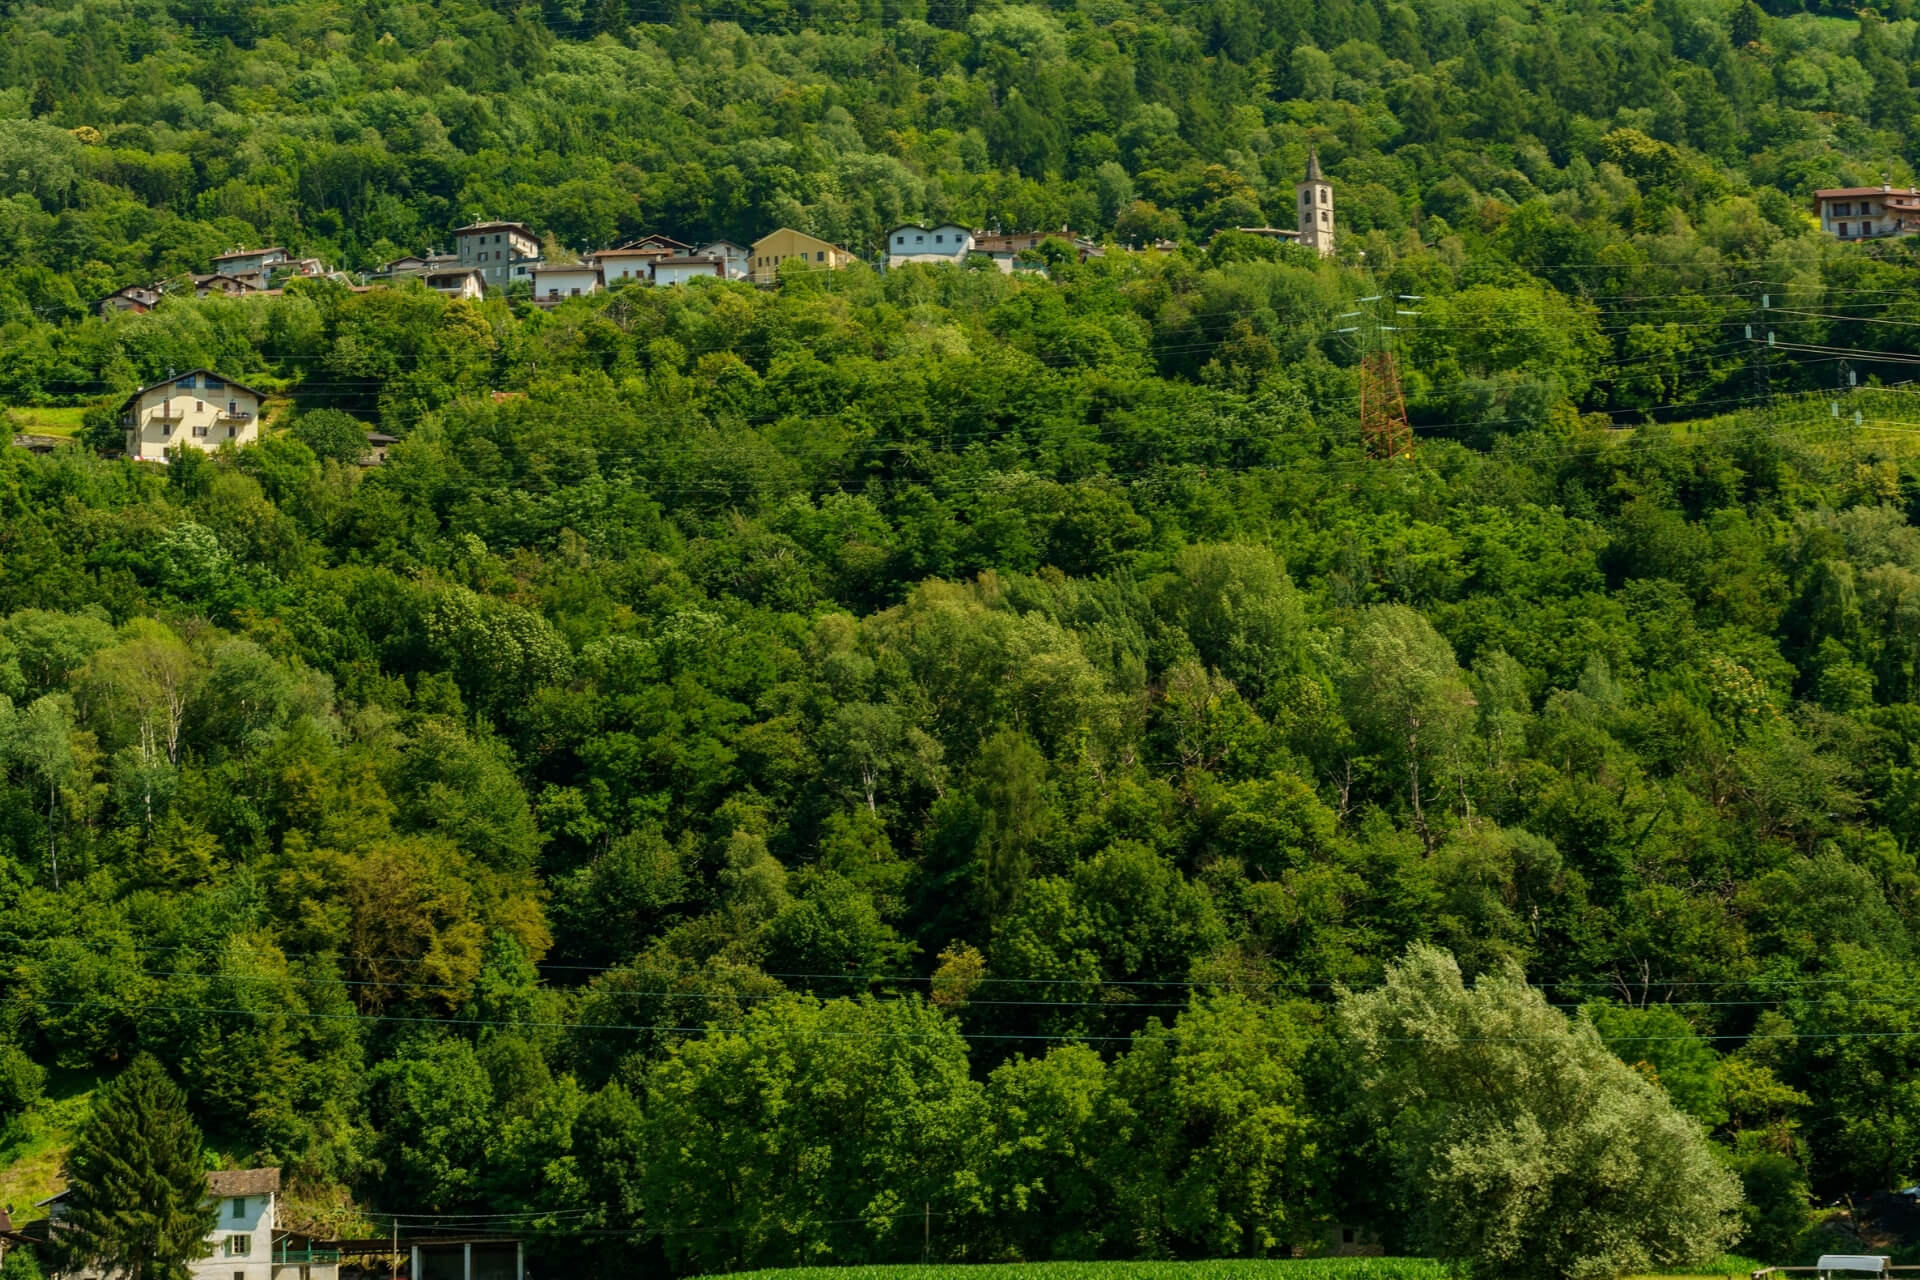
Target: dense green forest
{"x":944,"y":762}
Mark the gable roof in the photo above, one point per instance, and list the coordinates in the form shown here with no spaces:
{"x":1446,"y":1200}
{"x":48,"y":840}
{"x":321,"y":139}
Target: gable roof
{"x":938,"y":226}
{"x":666,"y":242}
{"x":521,"y":227}
{"x":824,"y":244}
{"x":249,"y":253}
{"x":201,"y":282}
{"x":721,"y":244}
{"x":244,"y":1182}
{"x":192,"y":373}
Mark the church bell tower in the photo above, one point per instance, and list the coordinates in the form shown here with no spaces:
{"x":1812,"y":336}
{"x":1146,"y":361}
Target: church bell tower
{"x":1316,"y":208}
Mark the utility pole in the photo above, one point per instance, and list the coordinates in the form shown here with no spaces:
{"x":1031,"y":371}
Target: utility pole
{"x":1384,"y":428}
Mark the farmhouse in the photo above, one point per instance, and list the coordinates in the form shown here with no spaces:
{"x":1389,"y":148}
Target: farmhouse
{"x":788,"y":245}
{"x":197,"y":410}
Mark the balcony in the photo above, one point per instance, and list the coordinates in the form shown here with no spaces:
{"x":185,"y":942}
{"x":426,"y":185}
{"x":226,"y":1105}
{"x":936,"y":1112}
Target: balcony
{"x":167,"y":414}
{"x":306,"y":1257}
{"x":233,"y":415}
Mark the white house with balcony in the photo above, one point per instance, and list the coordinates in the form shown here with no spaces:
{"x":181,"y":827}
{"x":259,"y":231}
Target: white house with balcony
{"x":199,"y":409}
{"x":1868,"y":213}
{"x":915,"y":243}
{"x":685,"y":270}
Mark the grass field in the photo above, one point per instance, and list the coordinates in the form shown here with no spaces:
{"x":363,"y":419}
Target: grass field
{"x":30,"y":1163}
{"x":45,"y":422}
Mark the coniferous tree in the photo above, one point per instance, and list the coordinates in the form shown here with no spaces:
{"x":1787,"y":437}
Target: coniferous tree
{"x":137,"y":1183}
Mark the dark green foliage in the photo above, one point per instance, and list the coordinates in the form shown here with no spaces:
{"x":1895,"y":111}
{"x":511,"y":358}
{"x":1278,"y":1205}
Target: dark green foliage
{"x":137,"y":1184}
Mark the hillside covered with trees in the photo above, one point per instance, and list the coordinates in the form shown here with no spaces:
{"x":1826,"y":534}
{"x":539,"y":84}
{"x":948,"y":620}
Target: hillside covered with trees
{"x":939,"y":760}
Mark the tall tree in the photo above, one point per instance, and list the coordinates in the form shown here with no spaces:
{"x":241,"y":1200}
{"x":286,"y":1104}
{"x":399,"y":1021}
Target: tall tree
{"x":1520,"y":1144}
{"x":137,"y":1204}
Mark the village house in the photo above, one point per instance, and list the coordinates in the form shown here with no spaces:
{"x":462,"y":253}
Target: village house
{"x":502,"y":251}
{"x":378,"y":442}
{"x":554,"y":284}
{"x":223,"y":285}
{"x":457,"y":282}
{"x":788,"y":245}
{"x":619,"y":265}
{"x":1005,"y":250}
{"x":137,"y":298}
{"x":247,"y":1241}
{"x":1867,"y":213}
{"x":659,"y":246}
{"x":681,"y":270}
{"x":912,"y":242}
{"x":196,"y":410}
{"x":416,"y":264}
{"x":736,"y":257}
{"x":254,"y":266}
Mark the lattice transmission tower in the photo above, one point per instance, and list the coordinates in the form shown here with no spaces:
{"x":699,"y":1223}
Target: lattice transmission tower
{"x":1384,"y":428}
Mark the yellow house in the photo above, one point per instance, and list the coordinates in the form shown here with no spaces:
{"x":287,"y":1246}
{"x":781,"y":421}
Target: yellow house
{"x":770,"y":250}
{"x":198,"y":410}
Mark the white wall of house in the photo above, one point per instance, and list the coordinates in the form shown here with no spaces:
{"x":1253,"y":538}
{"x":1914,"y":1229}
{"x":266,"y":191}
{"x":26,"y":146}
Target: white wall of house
{"x":194,"y":412}
{"x":617,"y":265}
{"x":551,"y":284}
{"x":738,"y":260}
{"x":242,"y":1240}
{"x":682,"y":270}
{"x":944,"y":243}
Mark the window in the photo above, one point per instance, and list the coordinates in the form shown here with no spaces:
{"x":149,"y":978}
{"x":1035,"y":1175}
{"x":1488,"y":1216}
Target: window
{"x":496,"y":239}
{"x":231,"y":432}
{"x":233,"y":407}
{"x":199,"y":433}
{"x":1842,"y":209}
{"x":919,"y":239}
{"x":166,"y":428}
{"x":576,"y":293}
{"x":1306,"y":197}
{"x":1325,"y":217}
{"x":239,"y":1246}
{"x":199,"y":406}
{"x":1866,"y":228}
{"x":899,"y":239}
{"x":1326,"y":196}
{"x":939,"y":239}
{"x":214,"y":384}
{"x":186,"y":383}
{"x":821,"y":256}
{"x":1843,"y":229}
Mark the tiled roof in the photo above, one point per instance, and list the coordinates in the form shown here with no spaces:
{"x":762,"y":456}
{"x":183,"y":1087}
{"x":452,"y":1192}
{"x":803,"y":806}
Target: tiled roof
{"x":244,"y":1182}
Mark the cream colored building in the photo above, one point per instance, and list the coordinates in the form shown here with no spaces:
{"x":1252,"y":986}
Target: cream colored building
{"x":197,"y":410}
{"x":788,"y":245}
{"x":247,"y":1242}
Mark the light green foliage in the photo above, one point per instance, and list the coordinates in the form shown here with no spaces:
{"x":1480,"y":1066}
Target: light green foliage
{"x":1520,"y":1144}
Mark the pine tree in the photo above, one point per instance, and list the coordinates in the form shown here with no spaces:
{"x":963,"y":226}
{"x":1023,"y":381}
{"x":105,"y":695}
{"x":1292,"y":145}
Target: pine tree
{"x":137,"y":1183}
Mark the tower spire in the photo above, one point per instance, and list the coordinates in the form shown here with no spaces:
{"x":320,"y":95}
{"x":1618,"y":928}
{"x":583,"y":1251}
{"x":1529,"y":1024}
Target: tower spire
{"x":1313,"y":166}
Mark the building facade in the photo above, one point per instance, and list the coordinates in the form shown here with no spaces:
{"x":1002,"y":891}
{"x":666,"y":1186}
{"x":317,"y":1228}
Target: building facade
{"x":685,"y":270}
{"x":197,"y":410}
{"x":247,"y":1241}
{"x":618,"y":265}
{"x":251,"y":265}
{"x":1867,"y":213}
{"x":788,"y":245}
{"x":501,"y":251}
{"x":136,"y":298}
{"x":735,"y":256}
{"x":1316,"y":208}
{"x":553,"y":285}
{"x":915,"y":243}
{"x":457,"y":282}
